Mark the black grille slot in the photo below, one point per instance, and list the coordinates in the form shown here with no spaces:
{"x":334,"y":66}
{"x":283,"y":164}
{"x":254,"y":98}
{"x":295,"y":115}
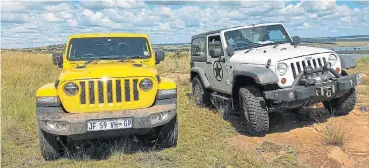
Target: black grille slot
{"x":303,"y":65}
{"x":135,"y":90}
{"x":324,"y":61}
{"x":320,"y":62}
{"x":101,"y":92}
{"x":298,"y":67}
{"x":315,"y":64}
{"x":293,"y":70}
{"x":118,"y":89}
{"x":91,"y":86}
{"x":309,"y":63}
{"x":127,"y":90}
{"x":82,"y":96}
{"x":110,"y":91}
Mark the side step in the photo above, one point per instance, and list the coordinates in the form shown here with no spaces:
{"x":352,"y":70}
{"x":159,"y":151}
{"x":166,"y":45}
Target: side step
{"x":221,"y":103}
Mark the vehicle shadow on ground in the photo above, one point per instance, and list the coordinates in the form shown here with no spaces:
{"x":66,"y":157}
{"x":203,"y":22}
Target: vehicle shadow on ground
{"x":100,"y":149}
{"x":279,"y":121}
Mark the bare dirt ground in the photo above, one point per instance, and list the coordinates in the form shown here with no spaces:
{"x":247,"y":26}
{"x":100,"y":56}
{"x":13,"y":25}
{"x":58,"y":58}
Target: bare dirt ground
{"x":304,"y":139}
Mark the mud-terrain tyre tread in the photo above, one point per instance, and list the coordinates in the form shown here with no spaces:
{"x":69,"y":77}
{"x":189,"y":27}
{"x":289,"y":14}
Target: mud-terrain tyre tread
{"x":49,"y":145}
{"x":202,"y":94}
{"x":343,"y":105}
{"x":167,"y":135}
{"x":254,"y":110}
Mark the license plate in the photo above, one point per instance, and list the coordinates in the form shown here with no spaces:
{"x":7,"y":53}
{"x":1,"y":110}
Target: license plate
{"x":100,"y":125}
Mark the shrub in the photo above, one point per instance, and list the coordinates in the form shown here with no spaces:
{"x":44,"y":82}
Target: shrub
{"x":334,"y":135}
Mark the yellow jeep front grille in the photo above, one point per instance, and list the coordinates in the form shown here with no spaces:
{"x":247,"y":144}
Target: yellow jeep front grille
{"x":112,"y":94}
{"x":111,"y":91}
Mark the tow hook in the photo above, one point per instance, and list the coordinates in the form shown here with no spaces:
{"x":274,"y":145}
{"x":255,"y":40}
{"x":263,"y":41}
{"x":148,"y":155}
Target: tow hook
{"x":325,"y":91}
{"x":328,"y":93}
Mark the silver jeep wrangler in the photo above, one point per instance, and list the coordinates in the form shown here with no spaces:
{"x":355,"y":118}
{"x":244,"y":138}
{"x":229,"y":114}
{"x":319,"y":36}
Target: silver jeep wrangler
{"x":260,"y":69}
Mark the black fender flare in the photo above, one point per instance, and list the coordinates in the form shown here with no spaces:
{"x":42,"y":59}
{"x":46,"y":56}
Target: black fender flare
{"x":347,"y":62}
{"x":202,"y":76}
{"x":262,"y":76}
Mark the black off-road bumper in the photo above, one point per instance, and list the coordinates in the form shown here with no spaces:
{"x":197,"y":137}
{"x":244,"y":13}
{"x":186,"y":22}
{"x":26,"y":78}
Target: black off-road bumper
{"x":74,"y":125}
{"x":331,"y":89}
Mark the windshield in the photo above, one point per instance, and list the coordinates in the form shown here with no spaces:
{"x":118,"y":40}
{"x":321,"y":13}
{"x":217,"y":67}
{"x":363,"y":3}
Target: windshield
{"x":247,"y":38}
{"x":108,"y":48}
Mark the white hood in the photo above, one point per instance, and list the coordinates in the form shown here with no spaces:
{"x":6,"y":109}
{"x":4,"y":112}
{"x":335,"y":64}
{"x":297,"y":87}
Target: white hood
{"x":284,"y":51}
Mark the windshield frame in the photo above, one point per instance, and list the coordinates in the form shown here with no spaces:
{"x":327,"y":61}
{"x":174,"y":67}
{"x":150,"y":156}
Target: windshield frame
{"x":68,"y":53}
{"x":289,"y":39}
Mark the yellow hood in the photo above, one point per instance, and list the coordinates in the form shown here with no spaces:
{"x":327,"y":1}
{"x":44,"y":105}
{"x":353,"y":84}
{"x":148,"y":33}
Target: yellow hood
{"x":110,"y":70}
{"x":109,"y":74}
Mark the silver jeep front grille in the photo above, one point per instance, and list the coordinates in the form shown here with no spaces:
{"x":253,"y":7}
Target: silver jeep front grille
{"x":299,"y":66}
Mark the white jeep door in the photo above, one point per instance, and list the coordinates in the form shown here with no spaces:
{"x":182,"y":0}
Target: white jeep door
{"x":217,"y":70}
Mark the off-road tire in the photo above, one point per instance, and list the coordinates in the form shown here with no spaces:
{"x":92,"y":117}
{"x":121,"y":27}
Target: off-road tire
{"x":49,"y":145}
{"x":343,"y":105}
{"x":200,"y":95}
{"x":167,"y":135}
{"x":254,"y":110}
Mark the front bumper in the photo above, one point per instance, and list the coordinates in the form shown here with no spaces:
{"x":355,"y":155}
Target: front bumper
{"x":333,"y":88}
{"x":76,"y":123}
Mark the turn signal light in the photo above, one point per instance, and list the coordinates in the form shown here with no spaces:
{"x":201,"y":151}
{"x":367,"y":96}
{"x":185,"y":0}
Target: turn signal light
{"x":283,"y":80}
{"x":338,"y":70}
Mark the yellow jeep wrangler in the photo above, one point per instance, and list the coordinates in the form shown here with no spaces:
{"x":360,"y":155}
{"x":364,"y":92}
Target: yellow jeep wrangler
{"x":108,"y":87}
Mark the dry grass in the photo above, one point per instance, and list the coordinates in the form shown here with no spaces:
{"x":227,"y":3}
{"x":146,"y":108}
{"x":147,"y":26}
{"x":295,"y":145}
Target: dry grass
{"x":334,"y":135}
{"x":175,"y":63}
{"x":202,"y":134}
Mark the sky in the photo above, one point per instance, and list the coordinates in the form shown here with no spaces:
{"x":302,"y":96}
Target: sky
{"x":40,"y":23}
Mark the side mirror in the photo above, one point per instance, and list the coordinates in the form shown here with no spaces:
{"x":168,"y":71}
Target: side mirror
{"x":216,"y":52}
{"x":296,"y":40}
{"x":230,"y":51}
{"x":57,"y":59}
{"x":159,"y":56}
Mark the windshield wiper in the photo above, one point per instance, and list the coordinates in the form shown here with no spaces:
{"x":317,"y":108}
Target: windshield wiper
{"x":97,"y":59}
{"x":275,"y":46}
{"x":252,"y":47}
{"x":132,"y":57}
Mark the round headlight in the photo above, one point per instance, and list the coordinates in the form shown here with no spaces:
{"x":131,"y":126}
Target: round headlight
{"x":332,"y":59}
{"x":146,"y":84}
{"x":282,"y":69}
{"x":70,"y":89}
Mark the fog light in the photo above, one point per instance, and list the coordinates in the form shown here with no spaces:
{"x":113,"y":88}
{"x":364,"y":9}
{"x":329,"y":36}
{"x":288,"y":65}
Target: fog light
{"x":57,"y":125}
{"x":283,"y":80}
{"x":159,"y":117}
{"x":51,"y":125}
